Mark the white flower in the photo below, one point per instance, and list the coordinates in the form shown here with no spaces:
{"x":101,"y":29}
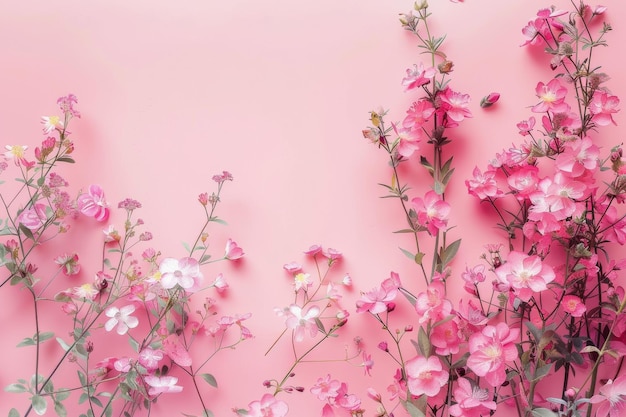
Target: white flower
{"x":121,"y":317}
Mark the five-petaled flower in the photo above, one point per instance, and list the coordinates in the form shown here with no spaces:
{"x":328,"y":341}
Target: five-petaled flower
{"x":121,"y":318}
{"x":183,"y":272}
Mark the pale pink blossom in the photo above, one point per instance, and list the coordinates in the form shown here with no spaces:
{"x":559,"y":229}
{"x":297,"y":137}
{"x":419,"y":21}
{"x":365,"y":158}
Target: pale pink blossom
{"x":326,"y":388}
{"x":302,"y":281}
{"x":408,"y":140}
{"x":313,"y":250}
{"x":69,"y":263}
{"x":490,"y":350}
{"x":93,"y":204}
{"x":526,"y":274}
{"x":425,"y":375}
{"x":292,"y":267}
{"x":534,"y":29}
{"x":34,"y":217}
{"x":162,"y":385}
{"x":176,"y":351}
{"x":552,"y":97}
{"x":432,"y":212}
{"x":332,"y":254}
{"x":301,"y":321}
{"x":484,"y":185}
{"x":149,"y":358}
{"x":578,"y":157}
{"x":446,"y":338}
{"x":432,"y":305}
{"x":526,"y":126}
{"x":17,"y":153}
{"x":573,"y":305}
{"x":220,"y":283}
{"x":51,"y":123}
{"x":85,"y":292}
{"x":233,"y":252}
{"x":268,"y":406}
{"x":111,"y":234}
{"x":471,"y":400}
{"x":376,"y":300}
{"x":184,"y":272}
{"x":602,"y":107}
{"x":122,"y":364}
{"x":418,"y":76}
{"x":121,"y":319}
{"x":612,"y":398}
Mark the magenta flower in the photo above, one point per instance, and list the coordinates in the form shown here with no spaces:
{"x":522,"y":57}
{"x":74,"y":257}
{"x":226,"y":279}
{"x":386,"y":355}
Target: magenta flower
{"x":526,"y":126}
{"x":233,"y":252}
{"x":602,"y":107}
{"x":93,"y":204}
{"x":184,"y":272}
{"x":302,"y":321}
{"x":33,"y":218}
{"x":456,"y":105}
{"x":418,"y":76}
{"x":573,"y":305}
{"x":552,"y":96}
{"x":268,"y":406}
{"x":489,"y":100}
{"x":490,"y":350}
{"x":484,"y":185}
{"x":432,"y":212}
{"x":162,"y":385}
{"x":525,"y":274}
{"x":121,"y":318}
{"x":418,"y":114}
{"x":425,"y":375}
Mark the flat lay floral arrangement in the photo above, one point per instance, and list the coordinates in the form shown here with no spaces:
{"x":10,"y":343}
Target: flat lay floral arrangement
{"x":539,"y":329}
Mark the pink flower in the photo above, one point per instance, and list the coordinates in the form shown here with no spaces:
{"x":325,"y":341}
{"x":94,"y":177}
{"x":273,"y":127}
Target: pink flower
{"x":526,"y":126}
{"x":233,"y":252}
{"x":489,"y":100}
{"x":408,"y":140}
{"x":455,"y":105}
{"x":602,"y":107}
{"x":524,"y":181}
{"x":425,"y":375}
{"x":552,"y":96}
{"x":326,"y":389}
{"x":573,"y":305}
{"x":332,"y":254}
{"x":301,"y":321}
{"x":149,"y":358}
{"x":184,"y":272}
{"x":220,"y":284}
{"x":525,"y":274}
{"x":302,"y":281}
{"x":418,"y":76}
{"x":431,"y":305}
{"x":69,"y":264}
{"x":612,"y":398}
{"x":418,"y":114}
{"x":93,"y":204}
{"x":432,"y":212}
{"x":292,"y":267}
{"x":471,"y":400}
{"x":33,"y":218}
{"x":268,"y":406}
{"x":490,"y":350}
{"x":66,"y":104}
{"x":376,"y":300}
{"x":85,"y":292}
{"x":578,"y":157}
{"x":446,"y":338}
{"x":313,"y":250}
{"x":51,"y":123}
{"x":483,"y":185}
{"x":173,"y":348}
{"x":162,"y":385}
{"x":121,"y":318}
{"x":367,"y":364}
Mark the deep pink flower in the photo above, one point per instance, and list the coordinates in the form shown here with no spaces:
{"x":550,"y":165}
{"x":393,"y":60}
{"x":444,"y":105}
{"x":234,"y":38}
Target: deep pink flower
{"x":524,"y":181}
{"x":490,"y":350}
{"x":418,"y":114}
{"x":525,"y":274}
{"x":233,"y":252}
{"x":162,"y":385}
{"x":526,"y":126}
{"x":425,"y":375}
{"x":33,"y":218}
{"x":552,"y":97}
{"x":184,"y":272}
{"x":268,"y":406}
{"x":456,"y":105}
{"x":418,"y":76}
{"x":93,"y":204}
{"x":432,"y":212}
{"x":602,"y":107}
{"x":489,"y":100}
{"x":573,"y":305}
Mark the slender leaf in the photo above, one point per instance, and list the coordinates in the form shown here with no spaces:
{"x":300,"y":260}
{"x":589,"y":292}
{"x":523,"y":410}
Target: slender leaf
{"x":29,"y":341}
{"x":450,"y":252}
{"x":544,"y":412}
{"x":15,"y":388}
{"x":413,"y":410}
{"x":210,"y":379}
{"x":60,"y":409}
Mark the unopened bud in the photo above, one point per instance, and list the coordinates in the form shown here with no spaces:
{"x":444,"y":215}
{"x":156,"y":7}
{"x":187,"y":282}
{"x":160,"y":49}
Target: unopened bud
{"x":445,"y":67}
{"x":489,"y":100}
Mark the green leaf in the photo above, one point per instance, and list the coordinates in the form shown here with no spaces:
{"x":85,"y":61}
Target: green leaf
{"x":408,"y":254}
{"x":544,"y":412}
{"x":66,"y":159}
{"x":320,"y":325}
{"x":218,"y":220}
{"x":210,"y":379}
{"x":450,"y":252}
{"x":64,"y":345}
{"x":542,"y":371}
{"x":62,"y":395}
{"x":96,"y":401}
{"x":83,"y":380}
{"x":427,"y":165}
{"x":14,"y":413}
{"x":207,"y":413}
{"x":60,"y":409}
{"x":413,"y":410}
{"x":204,"y":259}
{"x":45,"y":336}
{"x":439,"y":187}
{"x":423,"y":342}
{"x":405,"y":231}
{"x":134,"y":344}
{"x":39,"y":404}
{"x":29,"y":341}
{"x":15,"y":388}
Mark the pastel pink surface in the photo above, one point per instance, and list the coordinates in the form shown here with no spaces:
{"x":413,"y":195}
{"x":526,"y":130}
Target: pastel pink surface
{"x":277,"y":93}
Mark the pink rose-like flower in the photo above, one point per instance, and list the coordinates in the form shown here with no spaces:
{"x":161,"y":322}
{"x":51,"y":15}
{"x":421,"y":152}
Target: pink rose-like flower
{"x":490,"y":350}
{"x":526,"y":126}
{"x":525,"y":274}
{"x":93,"y":204}
{"x":602,"y":107}
{"x":233,"y":252}
{"x":33,"y":218}
{"x":489,"y":100}
{"x":121,"y":318}
{"x":162,"y":385}
{"x":268,"y":406}
{"x":184,"y":272}
{"x":552,"y":97}
{"x":425,"y":376}
{"x":573,"y":305}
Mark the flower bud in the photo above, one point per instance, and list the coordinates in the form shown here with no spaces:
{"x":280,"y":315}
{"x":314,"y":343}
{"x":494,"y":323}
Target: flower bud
{"x":489,"y":100}
{"x":383,"y":346}
{"x":445,"y":67}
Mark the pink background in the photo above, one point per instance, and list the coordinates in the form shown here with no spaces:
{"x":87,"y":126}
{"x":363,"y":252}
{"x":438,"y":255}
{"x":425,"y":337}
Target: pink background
{"x":276,"y":92}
